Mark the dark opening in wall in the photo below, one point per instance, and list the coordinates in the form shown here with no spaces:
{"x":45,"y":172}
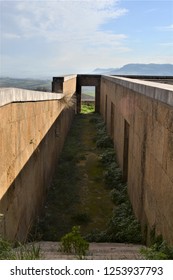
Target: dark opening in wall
{"x":126,"y":150}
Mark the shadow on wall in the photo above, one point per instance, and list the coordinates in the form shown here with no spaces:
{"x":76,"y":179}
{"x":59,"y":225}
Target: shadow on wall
{"x":23,"y":200}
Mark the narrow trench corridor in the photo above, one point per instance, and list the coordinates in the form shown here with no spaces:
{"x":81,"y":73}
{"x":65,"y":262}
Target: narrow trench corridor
{"x":82,"y":194}
{"x":78,"y":194}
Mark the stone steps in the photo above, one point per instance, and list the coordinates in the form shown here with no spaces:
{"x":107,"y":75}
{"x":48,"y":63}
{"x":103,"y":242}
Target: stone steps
{"x":97,"y":251}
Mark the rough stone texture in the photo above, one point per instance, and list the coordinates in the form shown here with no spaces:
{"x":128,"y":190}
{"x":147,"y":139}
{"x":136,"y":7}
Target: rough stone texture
{"x":32,"y":136}
{"x":150,"y":156}
{"x":97,"y":251}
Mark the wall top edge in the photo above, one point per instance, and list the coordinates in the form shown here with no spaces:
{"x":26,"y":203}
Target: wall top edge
{"x":65,"y":78}
{"x":159,"y":91}
{"x":12,"y":95}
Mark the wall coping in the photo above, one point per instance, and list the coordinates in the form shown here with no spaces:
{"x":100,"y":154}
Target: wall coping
{"x":65,"y":78}
{"x":10,"y":95}
{"x":159,"y":91}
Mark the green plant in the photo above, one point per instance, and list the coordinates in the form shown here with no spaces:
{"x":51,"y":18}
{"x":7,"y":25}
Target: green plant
{"x":5,"y":249}
{"x":113,"y":176}
{"x":21,"y":252}
{"x":73,"y":242}
{"x":159,"y":250}
{"x":27,"y":252}
{"x":108,"y":156}
{"x":119,"y":196}
{"x":87,"y":108}
{"x":123,"y":227}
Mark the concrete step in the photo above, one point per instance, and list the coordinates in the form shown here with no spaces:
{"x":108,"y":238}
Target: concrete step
{"x":97,"y":251}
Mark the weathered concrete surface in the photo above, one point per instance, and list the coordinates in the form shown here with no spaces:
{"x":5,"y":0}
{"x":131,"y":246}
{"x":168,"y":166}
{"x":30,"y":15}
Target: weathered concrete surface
{"x":64,"y":84}
{"x":9,"y":95}
{"x":147,"y":107}
{"x":97,"y":251}
{"x":32,"y":136}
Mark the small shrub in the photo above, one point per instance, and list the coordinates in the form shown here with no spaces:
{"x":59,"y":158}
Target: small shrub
{"x":119,"y":196}
{"x":113,"y":176}
{"x":22,"y":252}
{"x":158,"y":251}
{"x":123,"y":227}
{"x":74,"y":243}
{"x":108,"y":157}
{"x":97,"y":236}
{"x":104,"y":142}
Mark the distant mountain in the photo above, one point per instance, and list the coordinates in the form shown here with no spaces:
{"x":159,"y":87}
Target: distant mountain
{"x":139,"y":69}
{"x":31,"y":84}
{"x":103,"y":70}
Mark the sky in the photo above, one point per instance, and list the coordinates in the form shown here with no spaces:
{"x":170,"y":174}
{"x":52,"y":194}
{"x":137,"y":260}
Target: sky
{"x":42,"y":38}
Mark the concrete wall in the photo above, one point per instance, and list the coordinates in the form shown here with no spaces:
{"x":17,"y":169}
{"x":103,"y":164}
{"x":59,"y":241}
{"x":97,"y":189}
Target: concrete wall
{"x":33,"y":127}
{"x":139,"y":117}
{"x":32,"y":137}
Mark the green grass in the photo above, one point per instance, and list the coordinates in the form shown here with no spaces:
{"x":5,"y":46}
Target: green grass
{"x":87,"y":108}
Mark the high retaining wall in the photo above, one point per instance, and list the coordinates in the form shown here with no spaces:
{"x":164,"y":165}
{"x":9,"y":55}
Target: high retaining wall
{"x":33,"y":128}
{"x":139,"y":117}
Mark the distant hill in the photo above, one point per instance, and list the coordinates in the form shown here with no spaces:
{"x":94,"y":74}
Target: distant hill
{"x":87,"y":97}
{"x":139,"y":69}
{"x":31,"y":84}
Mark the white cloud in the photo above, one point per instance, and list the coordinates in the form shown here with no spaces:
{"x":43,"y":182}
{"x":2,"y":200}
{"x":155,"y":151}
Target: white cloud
{"x":166,"y":44}
{"x":166,"y":28}
{"x":10,"y":36}
{"x":63,"y":20}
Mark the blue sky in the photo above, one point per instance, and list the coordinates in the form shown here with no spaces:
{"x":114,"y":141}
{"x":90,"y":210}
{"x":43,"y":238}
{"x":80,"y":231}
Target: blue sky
{"x":49,"y":38}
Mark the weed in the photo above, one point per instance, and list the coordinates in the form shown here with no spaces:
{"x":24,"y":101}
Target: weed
{"x":22,"y":252}
{"x":123,"y":227}
{"x":27,"y":252}
{"x":108,"y":156}
{"x":119,"y":196}
{"x":158,"y":251}
{"x":104,"y":142}
{"x":74,"y":243}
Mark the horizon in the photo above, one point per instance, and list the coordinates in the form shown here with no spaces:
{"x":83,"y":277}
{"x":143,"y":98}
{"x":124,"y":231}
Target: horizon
{"x":48,"y":78}
{"x":51,"y":38}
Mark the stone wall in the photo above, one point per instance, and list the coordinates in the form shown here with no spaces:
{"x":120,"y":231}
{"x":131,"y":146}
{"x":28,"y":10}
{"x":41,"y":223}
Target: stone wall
{"x":32,"y":137}
{"x":139,"y":117}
